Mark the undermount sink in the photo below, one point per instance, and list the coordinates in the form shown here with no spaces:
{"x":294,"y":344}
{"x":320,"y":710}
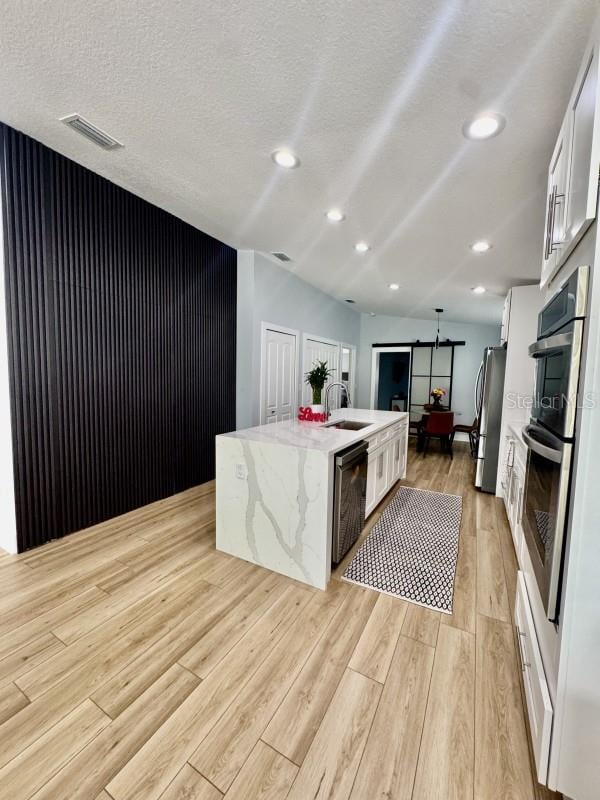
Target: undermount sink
{"x":348,"y":425}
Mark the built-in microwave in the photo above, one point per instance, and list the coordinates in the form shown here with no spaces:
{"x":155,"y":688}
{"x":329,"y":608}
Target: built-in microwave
{"x":557,"y":352}
{"x":550,"y":436}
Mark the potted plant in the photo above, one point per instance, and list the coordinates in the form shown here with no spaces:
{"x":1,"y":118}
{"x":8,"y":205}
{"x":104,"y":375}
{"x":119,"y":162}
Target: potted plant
{"x":437,"y":395}
{"x":317,"y":378}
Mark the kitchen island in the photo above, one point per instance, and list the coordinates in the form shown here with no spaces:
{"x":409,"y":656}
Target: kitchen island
{"x":274,"y":487}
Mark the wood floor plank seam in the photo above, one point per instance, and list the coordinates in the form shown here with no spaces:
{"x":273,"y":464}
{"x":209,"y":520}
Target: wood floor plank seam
{"x":309,"y":695}
{"x":430,"y":681}
{"x":315,"y":776}
{"x":293,"y":637}
{"x":133,"y":627}
{"x":368,"y":733}
{"x":206,"y":778}
{"x":32,"y":655}
{"x":127,"y":684}
{"x":422,"y":726}
{"x":179,"y":664}
{"x":46,"y":622}
{"x":102,"y":758}
{"x":266,"y":775}
{"x":185,"y":659}
{"x":268,"y":744}
{"x":64,"y":698}
{"x":149,"y":755}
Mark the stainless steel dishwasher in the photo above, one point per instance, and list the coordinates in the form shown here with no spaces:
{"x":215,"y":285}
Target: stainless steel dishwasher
{"x":349,"y":498}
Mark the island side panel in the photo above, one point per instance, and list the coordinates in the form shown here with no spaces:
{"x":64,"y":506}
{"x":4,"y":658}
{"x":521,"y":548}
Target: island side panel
{"x":274,"y":507}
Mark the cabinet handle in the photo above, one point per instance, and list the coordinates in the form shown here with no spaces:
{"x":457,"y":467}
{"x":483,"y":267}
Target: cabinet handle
{"x":558,"y":199}
{"x":549,"y":224}
{"x":520,"y":636}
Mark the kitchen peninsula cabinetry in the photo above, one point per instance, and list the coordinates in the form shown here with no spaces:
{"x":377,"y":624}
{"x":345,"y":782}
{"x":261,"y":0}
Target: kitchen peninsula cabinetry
{"x":275,"y":486}
{"x":387,"y":462}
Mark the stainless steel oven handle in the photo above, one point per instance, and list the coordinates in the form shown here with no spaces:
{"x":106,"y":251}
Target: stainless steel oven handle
{"x":556,"y":342}
{"x":541,"y":449}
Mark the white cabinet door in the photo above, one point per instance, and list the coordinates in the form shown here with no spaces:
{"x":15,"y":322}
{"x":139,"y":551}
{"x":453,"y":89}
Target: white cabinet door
{"x":394,"y":460}
{"x":316,"y":350}
{"x":583,"y":173}
{"x":403,"y":451}
{"x":555,"y":205}
{"x":539,"y":705}
{"x":371,"y":499}
{"x":381,"y":471}
{"x":386,"y":465}
{"x":278,"y":376}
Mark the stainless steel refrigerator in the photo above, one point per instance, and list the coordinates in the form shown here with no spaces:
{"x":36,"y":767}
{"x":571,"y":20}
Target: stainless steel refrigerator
{"x":489,"y":396}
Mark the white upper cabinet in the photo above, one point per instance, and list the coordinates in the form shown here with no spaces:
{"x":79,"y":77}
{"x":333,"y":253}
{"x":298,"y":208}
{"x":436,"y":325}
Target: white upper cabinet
{"x":555,"y":204}
{"x":583,"y":180}
{"x":574,"y":170}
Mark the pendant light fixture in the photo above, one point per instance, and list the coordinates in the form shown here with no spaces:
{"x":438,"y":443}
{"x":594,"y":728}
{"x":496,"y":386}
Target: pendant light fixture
{"x":438,"y":311}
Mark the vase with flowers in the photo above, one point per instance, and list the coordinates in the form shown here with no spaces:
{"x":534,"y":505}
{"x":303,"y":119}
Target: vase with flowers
{"x":437,"y":395}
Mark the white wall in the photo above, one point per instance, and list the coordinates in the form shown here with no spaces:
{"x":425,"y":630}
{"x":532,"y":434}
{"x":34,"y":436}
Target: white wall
{"x":8,"y":523}
{"x":384,"y":329}
{"x":269,"y":293}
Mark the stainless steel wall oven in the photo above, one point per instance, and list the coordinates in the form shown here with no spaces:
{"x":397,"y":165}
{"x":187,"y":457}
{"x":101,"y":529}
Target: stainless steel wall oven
{"x":550,"y":436}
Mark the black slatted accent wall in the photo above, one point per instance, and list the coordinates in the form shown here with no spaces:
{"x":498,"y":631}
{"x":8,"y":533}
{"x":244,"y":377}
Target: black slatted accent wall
{"x":121,"y":343}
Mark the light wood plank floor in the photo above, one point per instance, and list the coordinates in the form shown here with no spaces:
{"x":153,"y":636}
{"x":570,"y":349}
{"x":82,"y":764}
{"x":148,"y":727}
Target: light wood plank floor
{"x":138,"y":663}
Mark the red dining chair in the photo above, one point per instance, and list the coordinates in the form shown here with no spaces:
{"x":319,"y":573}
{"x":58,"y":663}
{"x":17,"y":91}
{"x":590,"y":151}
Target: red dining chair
{"x":439,"y":425}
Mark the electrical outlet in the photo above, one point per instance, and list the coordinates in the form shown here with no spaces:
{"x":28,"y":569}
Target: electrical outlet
{"x":241,"y":472}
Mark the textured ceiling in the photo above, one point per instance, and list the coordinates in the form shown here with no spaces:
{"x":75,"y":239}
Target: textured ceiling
{"x":371,"y":95}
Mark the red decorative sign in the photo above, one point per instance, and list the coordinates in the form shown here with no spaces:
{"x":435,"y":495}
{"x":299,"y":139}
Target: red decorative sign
{"x":306,"y":414}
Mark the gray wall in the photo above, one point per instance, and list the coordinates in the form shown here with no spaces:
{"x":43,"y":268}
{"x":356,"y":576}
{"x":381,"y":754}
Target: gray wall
{"x":269,"y":293}
{"x":384,"y":329}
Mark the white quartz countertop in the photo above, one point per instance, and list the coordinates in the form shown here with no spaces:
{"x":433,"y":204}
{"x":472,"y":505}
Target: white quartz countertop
{"x":316,"y":435}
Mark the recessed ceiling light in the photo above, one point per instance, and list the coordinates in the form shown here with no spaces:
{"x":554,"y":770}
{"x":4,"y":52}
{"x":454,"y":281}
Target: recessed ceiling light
{"x":484,"y":126}
{"x":478,"y":290}
{"x":335,"y":215}
{"x":371,"y":313}
{"x":394,"y":287}
{"x":480,"y":247}
{"x":285,"y":158}
{"x":361,"y":247}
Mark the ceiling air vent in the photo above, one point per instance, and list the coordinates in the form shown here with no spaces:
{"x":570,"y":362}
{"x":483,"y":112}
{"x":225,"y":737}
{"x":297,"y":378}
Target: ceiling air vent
{"x":91,"y":132}
{"x":281,"y":256}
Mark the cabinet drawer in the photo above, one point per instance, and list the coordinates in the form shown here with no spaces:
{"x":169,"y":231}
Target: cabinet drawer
{"x":385,"y":434}
{"x":373,"y":442}
{"x":539,"y":705}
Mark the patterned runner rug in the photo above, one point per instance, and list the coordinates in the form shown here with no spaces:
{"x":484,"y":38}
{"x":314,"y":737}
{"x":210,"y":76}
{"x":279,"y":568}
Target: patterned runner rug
{"x":412,"y":550}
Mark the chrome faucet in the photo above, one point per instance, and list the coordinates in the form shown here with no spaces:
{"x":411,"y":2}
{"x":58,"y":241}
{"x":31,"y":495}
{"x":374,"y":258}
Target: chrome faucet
{"x":331,"y":385}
